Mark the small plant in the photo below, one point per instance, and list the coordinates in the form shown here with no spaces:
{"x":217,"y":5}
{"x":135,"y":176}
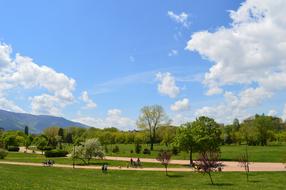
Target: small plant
{"x":164,"y":156}
{"x":131,"y":151}
{"x":138,"y":148}
{"x":208,"y":162}
{"x":3,"y":153}
{"x":146,"y":151}
{"x":115,"y":149}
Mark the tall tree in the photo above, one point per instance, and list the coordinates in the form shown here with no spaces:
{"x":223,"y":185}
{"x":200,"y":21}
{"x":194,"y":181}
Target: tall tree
{"x":185,"y":140}
{"x":151,"y":117}
{"x":26,"y":130}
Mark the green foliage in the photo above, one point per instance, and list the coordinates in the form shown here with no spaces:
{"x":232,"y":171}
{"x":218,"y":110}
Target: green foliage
{"x":3,"y":153}
{"x":56,"y":153}
{"x":115,"y":149}
{"x":146,"y":151}
{"x":90,"y":148}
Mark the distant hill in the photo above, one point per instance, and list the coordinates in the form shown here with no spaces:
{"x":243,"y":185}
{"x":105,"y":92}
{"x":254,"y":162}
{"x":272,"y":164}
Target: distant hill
{"x":36,"y":123}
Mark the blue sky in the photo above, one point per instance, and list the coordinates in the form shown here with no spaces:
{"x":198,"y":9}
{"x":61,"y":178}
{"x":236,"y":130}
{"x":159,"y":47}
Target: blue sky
{"x":115,"y":57}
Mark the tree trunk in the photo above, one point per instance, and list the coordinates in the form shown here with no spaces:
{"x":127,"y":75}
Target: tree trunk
{"x":191,"y":157}
{"x":166,"y":170}
{"x":151,"y":144}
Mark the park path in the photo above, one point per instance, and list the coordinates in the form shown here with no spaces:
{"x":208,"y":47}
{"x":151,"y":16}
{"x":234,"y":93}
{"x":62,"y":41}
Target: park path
{"x":227,"y":166}
{"x":233,"y":166}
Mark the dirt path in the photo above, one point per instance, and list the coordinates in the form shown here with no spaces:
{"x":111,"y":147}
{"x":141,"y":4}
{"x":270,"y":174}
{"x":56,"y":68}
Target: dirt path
{"x":228,"y":167}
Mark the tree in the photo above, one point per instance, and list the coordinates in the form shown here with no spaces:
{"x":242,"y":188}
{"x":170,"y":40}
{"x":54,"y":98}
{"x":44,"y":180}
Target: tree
{"x":164,"y":156}
{"x":206,"y":133}
{"x":41,"y":142}
{"x":89,"y":149}
{"x":28,"y":141}
{"x":185,"y":140}
{"x":26,"y":130}
{"x":166,"y":134}
{"x":208,"y":162}
{"x":151,"y":117}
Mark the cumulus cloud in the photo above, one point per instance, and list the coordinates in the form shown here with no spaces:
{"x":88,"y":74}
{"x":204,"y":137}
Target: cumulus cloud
{"x":181,"y":105}
{"x":181,"y":18}
{"x":234,"y":106}
{"x":113,"y":118}
{"x":167,"y":85}
{"x":272,"y":112}
{"x":22,"y":72}
{"x":251,"y":52}
{"x":89,"y":103}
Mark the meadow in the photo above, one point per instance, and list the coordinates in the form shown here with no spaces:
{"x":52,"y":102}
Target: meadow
{"x":26,"y":177}
{"x":270,"y":153}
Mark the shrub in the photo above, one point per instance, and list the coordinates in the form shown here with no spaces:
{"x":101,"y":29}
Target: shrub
{"x":146,"y":151}
{"x":56,"y":153}
{"x":175,"y":150}
{"x":3,"y":153}
{"x":13,"y":148}
{"x":131,"y":151}
{"x":115,"y":149}
{"x":138,"y":148}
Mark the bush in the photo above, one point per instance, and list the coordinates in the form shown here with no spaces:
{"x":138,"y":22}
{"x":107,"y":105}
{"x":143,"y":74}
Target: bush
{"x":56,"y":153}
{"x":3,"y":153}
{"x":13,"y":148}
{"x":131,"y":151}
{"x":138,"y":148}
{"x":146,"y":151}
{"x":115,"y":149}
{"x":175,"y":150}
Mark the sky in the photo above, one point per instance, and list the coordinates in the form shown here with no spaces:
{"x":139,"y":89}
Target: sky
{"x":100,"y":62}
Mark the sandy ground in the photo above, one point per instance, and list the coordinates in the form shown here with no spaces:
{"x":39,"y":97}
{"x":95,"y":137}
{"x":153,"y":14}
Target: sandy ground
{"x":227,"y":166}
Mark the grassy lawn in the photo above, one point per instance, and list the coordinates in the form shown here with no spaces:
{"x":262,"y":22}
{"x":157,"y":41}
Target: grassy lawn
{"x":271,"y":153}
{"x":26,"y":177}
{"x":22,"y":157}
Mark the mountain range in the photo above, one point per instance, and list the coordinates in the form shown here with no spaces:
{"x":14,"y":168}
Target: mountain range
{"x":36,"y":123}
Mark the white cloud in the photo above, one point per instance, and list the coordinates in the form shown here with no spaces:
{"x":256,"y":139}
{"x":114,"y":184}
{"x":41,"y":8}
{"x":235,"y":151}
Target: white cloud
{"x":89,"y":104}
{"x":113,"y":118}
{"x":234,"y":106}
{"x":181,"y":105}
{"x":173,"y":52}
{"x":272,"y":112}
{"x":9,"y":105}
{"x":181,"y":18}
{"x":167,"y":85}
{"x":22,"y":72}
{"x":251,"y":52}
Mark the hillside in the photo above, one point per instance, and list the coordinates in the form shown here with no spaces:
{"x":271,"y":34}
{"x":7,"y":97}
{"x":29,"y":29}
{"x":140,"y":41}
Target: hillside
{"x":36,"y":123}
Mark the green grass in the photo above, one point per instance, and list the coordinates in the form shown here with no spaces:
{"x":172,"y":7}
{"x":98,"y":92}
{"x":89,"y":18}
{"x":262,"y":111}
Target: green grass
{"x":37,"y":158}
{"x":45,"y":178}
{"x":271,"y":153}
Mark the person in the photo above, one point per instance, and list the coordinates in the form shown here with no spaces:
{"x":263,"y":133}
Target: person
{"x":138,"y":162}
{"x":105,"y":167}
{"x":131,"y":162}
{"x":102,"y":168}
